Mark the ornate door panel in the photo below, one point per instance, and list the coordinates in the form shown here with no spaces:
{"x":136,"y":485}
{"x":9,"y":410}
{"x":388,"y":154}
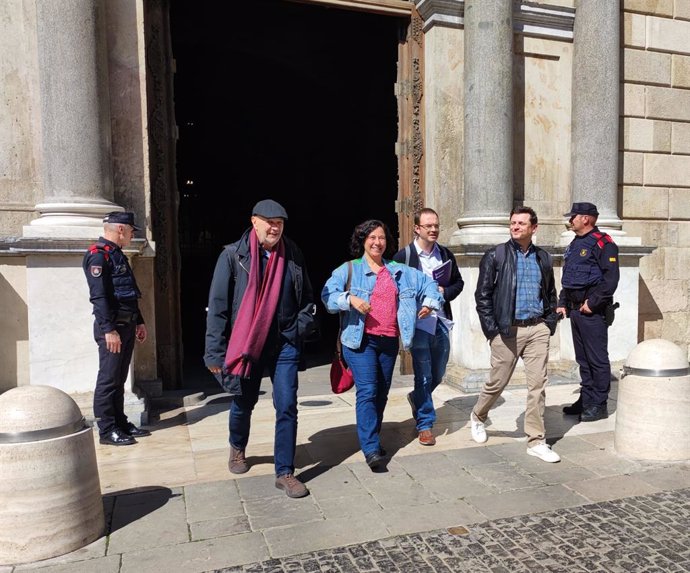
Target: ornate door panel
{"x":410,"y":145}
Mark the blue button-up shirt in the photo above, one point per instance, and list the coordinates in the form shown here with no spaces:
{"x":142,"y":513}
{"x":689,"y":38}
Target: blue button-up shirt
{"x":528,"y":303}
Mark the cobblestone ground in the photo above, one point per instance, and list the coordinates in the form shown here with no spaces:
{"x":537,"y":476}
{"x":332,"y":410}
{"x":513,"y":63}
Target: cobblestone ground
{"x":649,"y":534}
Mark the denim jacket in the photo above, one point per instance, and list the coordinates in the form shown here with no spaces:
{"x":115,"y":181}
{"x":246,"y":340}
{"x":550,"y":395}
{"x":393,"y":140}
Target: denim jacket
{"x":415,"y":290}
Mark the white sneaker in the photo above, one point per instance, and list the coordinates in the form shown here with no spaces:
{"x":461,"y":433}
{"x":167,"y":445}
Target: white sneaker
{"x":478,"y":431}
{"x":544,"y":453}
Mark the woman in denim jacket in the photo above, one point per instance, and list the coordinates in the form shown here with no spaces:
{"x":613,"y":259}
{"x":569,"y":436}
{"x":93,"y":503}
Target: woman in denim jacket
{"x":383,"y":303}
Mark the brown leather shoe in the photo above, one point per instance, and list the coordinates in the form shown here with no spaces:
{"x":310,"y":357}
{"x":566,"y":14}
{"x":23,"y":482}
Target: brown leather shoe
{"x":237,"y":464}
{"x":291,"y":486}
{"x":426,"y":438}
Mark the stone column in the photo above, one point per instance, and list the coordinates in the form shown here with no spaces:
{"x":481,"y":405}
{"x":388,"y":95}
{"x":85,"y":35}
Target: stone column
{"x":488,"y":123}
{"x":595,"y":101}
{"x":75,"y":119}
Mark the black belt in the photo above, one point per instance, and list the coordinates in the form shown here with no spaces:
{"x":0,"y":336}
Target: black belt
{"x":126,"y":317}
{"x":528,"y":321}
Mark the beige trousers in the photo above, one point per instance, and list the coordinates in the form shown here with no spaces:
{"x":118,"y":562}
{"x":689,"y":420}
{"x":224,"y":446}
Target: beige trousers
{"x":531,"y":343}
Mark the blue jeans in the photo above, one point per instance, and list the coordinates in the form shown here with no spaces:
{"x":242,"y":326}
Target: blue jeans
{"x":372,"y":367}
{"x":282,"y":361}
{"x":429,"y":359}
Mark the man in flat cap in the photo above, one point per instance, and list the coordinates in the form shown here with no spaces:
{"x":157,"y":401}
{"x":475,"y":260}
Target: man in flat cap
{"x":260,"y":308}
{"x":118,"y":323}
{"x":590,"y":277}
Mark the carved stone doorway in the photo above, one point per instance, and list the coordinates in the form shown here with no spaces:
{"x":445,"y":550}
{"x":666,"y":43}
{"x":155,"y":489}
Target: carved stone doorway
{"x":291,"y":101}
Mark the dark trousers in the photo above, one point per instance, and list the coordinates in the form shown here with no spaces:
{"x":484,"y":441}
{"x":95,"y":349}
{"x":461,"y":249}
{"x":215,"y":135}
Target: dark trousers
{"x":282,"y":361}
{"x":109,"y":396}
{"x":590,"y":339}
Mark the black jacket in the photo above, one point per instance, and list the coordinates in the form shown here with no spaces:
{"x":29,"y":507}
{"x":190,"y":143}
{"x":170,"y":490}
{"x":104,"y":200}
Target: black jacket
{"x":590,"y":271}
{"x":456,"y":283}
{"x":112,"y":286}
{"x":295,"y":312}
{"x":496,"y":288}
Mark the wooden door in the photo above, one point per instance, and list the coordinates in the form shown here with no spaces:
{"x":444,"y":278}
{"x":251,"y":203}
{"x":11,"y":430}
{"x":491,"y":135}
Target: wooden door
{"x":410,"y":144}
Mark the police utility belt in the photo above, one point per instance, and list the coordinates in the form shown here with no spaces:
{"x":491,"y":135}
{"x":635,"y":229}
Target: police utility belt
{"x":126,"y":317}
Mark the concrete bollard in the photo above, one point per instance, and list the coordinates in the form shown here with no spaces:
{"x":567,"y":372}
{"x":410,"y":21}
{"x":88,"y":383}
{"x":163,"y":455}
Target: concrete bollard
{"x":653,"y":412}
{"x":50,"y":493}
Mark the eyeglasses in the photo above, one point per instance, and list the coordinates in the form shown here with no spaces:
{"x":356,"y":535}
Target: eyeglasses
{"x":430,"y":227}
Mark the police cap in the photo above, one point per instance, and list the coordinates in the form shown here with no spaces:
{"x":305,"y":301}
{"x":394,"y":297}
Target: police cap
{"x":582,"y":209}
{"x":269,"y":209}
{"x":121,"y":218}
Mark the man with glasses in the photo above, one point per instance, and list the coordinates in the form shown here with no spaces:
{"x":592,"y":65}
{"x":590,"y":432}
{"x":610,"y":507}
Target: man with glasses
{"x":118,"y":323}
{"x":260,"y":309}
{"x":431,"y":343}
{"x":590,"y":278}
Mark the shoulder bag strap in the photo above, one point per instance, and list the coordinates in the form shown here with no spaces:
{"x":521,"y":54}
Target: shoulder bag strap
{"x":338,"y":345}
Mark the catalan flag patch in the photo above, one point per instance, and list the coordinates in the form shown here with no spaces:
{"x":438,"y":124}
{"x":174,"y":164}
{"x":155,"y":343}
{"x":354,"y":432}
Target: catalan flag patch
{"x":612,"y":259}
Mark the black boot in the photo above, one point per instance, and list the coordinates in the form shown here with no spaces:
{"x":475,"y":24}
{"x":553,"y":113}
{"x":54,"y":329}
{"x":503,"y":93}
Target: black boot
{"x":594,"y":413}
{"x":575,"y":409}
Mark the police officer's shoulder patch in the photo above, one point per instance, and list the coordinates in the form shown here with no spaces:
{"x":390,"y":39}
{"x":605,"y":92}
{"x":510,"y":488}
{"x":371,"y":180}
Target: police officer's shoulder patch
{"x":583,"y":252}
{"x":96,"y":271}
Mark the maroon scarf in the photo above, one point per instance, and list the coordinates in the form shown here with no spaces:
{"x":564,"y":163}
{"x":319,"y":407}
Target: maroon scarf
{"x":257,"y":309}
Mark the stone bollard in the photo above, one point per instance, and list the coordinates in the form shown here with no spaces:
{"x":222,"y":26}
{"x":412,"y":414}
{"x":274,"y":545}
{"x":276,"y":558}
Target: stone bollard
{"x":50,"y":494}
{"x":653,"y":411}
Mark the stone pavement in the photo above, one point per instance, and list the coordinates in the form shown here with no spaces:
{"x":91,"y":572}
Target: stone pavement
{"x":172,"y":506}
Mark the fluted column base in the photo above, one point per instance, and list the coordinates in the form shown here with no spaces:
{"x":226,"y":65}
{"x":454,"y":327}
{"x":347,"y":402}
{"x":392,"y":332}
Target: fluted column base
{"x":70,"y":219}
{"x":481,"y":230}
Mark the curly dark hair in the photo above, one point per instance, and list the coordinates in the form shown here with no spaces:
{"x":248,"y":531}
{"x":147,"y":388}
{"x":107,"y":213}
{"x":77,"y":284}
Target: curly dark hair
{"x":362,"y":231}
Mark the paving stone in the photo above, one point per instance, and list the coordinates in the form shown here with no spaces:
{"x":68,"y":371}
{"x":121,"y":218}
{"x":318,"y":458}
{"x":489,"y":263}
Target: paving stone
{"x":313,"y":536}
{"x":469,"y":457}
{"x":336,"y":481}
{"x":397,"y":491}
{"x":198,"y":556}
{"x":109,"y":564}
{"x":560,"y":473}
{"x":259,"y":487}
{"x":360,"y":504}
{"x":603,"y":462}
{"x":612,"y":487}
{"x":152,"y":519}
{"x":504,"y":476}
{"x":525,"y":501}
{"x":674,"y":477}
{"x":408,"y":519}
{"x":451,"y":488}
{"x":431,"y":465}
{"x":215,"y":500}
{"x":219,"y":527}
{"x":281,"y":511}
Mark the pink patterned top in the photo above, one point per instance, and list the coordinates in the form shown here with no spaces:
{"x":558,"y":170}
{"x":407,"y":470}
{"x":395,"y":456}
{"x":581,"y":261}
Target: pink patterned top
{"x":382,"y":319}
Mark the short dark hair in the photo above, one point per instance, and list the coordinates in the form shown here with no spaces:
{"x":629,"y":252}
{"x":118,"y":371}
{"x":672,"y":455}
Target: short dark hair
{"x":424,"y":211}
{"x":362,"y":231}
{"x":524,"y":209}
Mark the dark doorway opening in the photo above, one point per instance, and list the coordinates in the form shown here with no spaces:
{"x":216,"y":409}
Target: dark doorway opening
{"x":287,"y":101}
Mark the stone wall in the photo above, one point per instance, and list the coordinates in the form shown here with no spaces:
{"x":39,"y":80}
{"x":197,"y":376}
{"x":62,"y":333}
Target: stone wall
{"x":655,"y":159}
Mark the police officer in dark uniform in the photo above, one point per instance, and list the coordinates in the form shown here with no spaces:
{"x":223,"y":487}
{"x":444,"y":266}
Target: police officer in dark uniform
{"x":118,"y":323}
{"x":590,"y":277}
